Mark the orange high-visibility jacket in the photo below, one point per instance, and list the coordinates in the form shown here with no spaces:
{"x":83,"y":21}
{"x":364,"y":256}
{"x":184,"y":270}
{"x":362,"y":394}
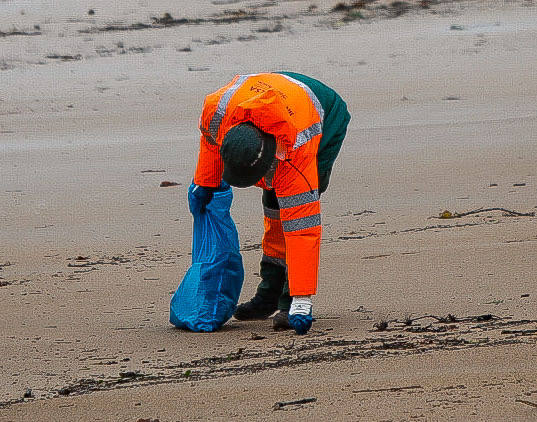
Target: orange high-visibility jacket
{"x":289,"y":110}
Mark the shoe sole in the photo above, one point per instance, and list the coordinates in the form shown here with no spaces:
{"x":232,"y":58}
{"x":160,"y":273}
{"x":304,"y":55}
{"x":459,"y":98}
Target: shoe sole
{"x":281,"y":327}
{"x":253,"y":319}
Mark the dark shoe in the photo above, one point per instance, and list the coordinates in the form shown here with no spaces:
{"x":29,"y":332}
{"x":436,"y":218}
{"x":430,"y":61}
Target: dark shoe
{"x":255,"y":308}
{"x":280,"y":321}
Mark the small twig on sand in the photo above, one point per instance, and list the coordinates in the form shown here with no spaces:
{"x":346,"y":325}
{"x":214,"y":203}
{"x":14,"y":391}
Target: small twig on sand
{"x":480,"y":318}
{"x":529,"y":403}
{"x":450,"y":318}
{"x":281,"y":404}
{"x":408,"y":320}
{"x":391,"y":389}
{"x":448,"y":214}
{"x":520,"y":332}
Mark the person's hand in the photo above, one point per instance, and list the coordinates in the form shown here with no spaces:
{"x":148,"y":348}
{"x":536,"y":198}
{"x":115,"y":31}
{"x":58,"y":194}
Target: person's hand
{"x":198,"y":198}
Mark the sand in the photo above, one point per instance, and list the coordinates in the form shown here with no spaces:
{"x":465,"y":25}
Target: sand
{"x":96,"y":110}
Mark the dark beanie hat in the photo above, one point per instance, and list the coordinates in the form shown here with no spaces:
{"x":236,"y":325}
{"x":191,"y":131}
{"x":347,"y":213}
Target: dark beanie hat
{"x":247,"y":153}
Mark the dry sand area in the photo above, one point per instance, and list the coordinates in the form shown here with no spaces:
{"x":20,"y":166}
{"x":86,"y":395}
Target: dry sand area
{"x":417,"y":318}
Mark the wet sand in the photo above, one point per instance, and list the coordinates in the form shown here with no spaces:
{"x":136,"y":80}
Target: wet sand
{"x":417,"y":317}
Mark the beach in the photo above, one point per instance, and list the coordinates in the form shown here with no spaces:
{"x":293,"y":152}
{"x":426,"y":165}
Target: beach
{"x":417,"y":317}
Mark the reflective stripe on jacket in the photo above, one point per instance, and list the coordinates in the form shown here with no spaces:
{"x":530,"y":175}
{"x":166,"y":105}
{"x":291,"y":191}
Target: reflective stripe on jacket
{"x":288,"y":109}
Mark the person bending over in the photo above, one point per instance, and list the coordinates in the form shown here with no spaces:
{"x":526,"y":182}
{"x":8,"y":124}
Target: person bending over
{"x":281,"y":132}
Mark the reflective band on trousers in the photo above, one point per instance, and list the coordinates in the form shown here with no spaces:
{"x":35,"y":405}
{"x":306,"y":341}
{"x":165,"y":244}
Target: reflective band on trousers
{"x":302,"y":223}
{"x":298,"y":199}
{"x":271,"y":260}
{"x":222,"y":106}
{"x":271,"y":213}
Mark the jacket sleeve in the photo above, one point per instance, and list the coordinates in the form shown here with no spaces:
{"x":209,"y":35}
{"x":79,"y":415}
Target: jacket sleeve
{"x":210,"y":165}
{"x":300,"y":212}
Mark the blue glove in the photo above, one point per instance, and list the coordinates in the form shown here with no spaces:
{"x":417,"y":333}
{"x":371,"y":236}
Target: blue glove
{"x":300,"y":323}
{"x":198,"y":198}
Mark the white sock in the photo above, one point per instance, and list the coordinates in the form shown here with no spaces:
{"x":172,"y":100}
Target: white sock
{"x":301,"y":305}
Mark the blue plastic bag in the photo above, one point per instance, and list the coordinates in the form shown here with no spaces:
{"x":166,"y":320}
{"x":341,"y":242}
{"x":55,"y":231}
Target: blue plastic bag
{"x":208,"y":295}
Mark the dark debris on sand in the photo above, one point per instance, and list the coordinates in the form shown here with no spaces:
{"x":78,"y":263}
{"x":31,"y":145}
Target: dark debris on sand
{"x":316,"y":347}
